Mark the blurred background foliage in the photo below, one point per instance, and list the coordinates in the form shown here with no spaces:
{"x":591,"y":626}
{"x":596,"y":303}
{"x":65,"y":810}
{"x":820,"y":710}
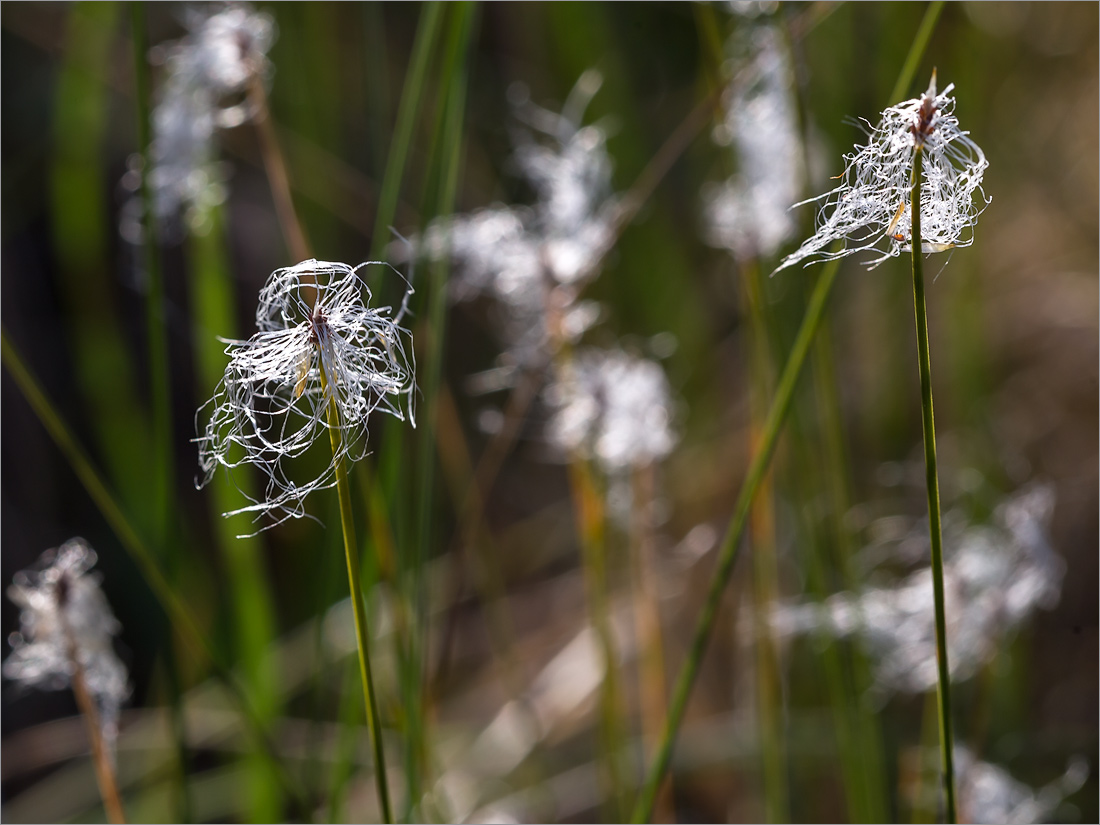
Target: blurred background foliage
{"x":1014,"y":347}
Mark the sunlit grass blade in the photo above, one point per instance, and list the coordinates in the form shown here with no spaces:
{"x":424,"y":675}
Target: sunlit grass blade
{"x":253,"y":628}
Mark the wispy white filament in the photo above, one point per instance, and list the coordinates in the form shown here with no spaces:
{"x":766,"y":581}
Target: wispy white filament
{"x":64,"y":611}
{"x":318,"y":341}
{"x":612,"y":407}
{"x":862,"y":213}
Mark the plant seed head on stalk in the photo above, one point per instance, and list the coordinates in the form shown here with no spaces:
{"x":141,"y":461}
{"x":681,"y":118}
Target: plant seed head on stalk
{"x":204,"y":91}
{"x":319,"y":342}
{"x":63,"y":610}
{"x":870,"y":209}
{"x":612,"y":407}
{"x":535,"y":261}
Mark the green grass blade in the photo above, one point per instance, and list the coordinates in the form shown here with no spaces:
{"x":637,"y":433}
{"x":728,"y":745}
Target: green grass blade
{"x":423,"y":48}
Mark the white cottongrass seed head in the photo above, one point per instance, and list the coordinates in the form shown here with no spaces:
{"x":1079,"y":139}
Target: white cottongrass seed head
{"x":995,"y":577}
{"x":750,"y":213}
{"x":612,"y":407}
{"x":205,"y":89}
{"x":534,"y":260}
{"x":319,"y":341}
{"x":64,"y":613}
{"x":869,"y":210}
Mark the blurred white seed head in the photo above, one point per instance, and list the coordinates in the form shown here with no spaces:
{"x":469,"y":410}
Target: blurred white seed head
{"x":534,"y":260}
{"x":749,"y":214}
{"x":995,"y":577}
{"x":64,"y":612}
{"x":869,"y":209}
{"x":989,"y":793}
{"x":318,"y":341}
{"x":204,"y":90}
{"x":612,"y":407}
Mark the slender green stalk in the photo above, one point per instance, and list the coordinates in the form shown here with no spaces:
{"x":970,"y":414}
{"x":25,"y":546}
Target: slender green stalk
{"x":160,"y":387}
{"x":932,"y":480}
{"x":591,"y":524}
{"x":423,"y":48}
{"x":362,"y":633}
{"x":916,"y":50}
{"x":154,"y":296}
{"x":182,"y":620}
{"x":731,"y":544}
{"x":643,"y":810}
{"x":211,"y":292}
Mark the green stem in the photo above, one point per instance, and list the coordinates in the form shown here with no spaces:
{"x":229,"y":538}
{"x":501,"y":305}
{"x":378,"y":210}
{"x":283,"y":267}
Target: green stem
{"x":160,"y":387}
{"x":362,"y":634}
{"x":731,"y":545}
{"x":932,"y":480}
{"x":179,"y":615}
{"x":643,"y":810}
{"x":916,"y":51}
{"x":423,"y":48}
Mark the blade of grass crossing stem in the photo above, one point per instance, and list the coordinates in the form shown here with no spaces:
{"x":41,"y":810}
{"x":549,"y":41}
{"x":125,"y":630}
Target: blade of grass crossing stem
{"x":731,"y":544}
{"x":161,"y":390}
{"x":212,"y":301}
{"x":447,"y":153}
{"x":182,"y":620}
{"x":423,"y":48}
{"x":104,"y":369}
{"x":928,"y":422}
{"x":643,"y":810}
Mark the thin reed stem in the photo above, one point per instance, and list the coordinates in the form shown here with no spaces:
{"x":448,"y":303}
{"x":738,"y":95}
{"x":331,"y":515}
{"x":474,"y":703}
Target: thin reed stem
{"x":916,"y":51}
{"x":101,"y":758}
{"x":427,"y":31}
{"x":731,"y":544}
{"x":180,"y":616}
{"x":643,"y":809}
{"x":161,"y":390}
{"x":591,"y":524}
{"x":278,"y":179}
{"x":362,"y":632}
{"x":932,"y":481}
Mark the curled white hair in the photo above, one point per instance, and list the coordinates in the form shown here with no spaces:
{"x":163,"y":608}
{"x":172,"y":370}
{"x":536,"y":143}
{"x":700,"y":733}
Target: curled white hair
{"x":319,"y":343}
{"x":869,"y":210}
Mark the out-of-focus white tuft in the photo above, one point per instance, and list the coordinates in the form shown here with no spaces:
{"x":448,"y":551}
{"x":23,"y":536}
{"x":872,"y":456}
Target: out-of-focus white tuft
{"x":319,"y":341}
{"x":534,"y":260}
{"x":995,"y":577}
{"x":611,"y":407}
{"x":205,"y":89}
{"x":869,"y":209}
{"x":989,"y":793}
{"x":65,"y":614}
{"x":750,"y":213}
